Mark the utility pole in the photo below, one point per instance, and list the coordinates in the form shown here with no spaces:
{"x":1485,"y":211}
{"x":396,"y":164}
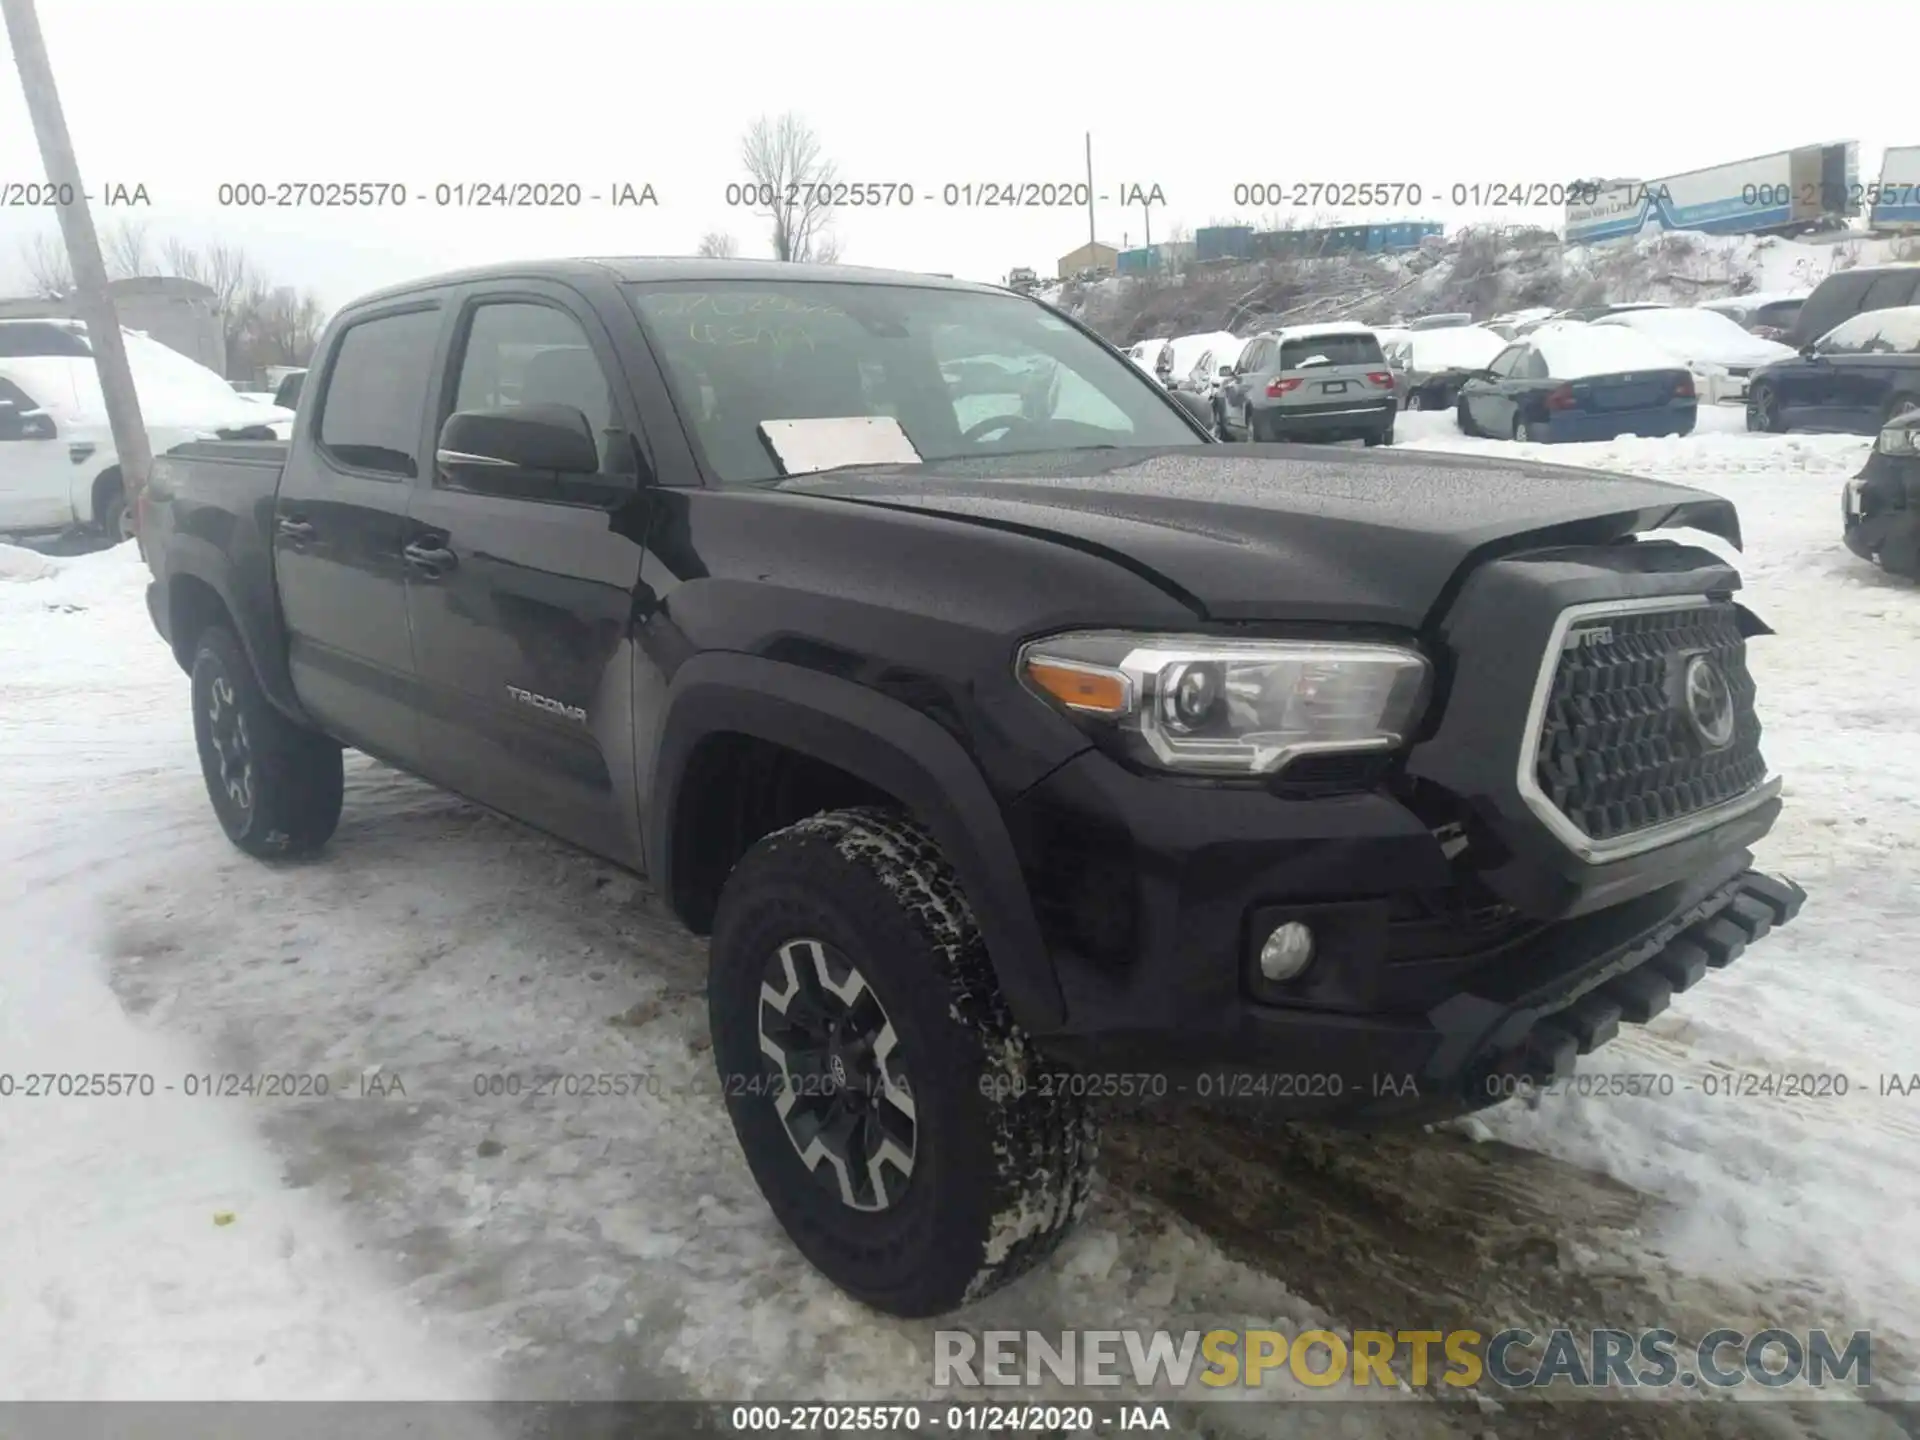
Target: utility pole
{"x":1092,"y":238}
{"x":92,"y":299}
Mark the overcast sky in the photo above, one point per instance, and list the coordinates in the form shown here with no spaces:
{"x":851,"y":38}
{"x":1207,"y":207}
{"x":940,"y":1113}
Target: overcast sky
{"x":1195,"y":99}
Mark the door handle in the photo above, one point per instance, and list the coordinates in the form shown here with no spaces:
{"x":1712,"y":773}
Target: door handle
{"x":298,"y":531}
{"x":428,"y":558}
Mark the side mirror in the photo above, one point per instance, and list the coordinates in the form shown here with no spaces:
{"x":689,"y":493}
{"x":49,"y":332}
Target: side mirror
{"x":1807,"y":352}
{"x":553,"y":439}
{"x":533,"y":452}
{"x":1198,"y":408}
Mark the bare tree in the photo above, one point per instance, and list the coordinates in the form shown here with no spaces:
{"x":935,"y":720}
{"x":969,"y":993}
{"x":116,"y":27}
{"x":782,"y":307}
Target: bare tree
{"x":129,"y":250}
{"x":282,"y":329}
{"x":783,"y":159}
{"x":718,"y":245}
{"x":44,"y":258}
{"x":125,"y":248}
{"x":238,"y":286}
{"x":265,"y":324}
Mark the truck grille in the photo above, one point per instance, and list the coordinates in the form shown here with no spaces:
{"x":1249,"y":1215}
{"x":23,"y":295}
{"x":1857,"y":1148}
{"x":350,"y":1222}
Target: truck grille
{"x":1622,"y":746}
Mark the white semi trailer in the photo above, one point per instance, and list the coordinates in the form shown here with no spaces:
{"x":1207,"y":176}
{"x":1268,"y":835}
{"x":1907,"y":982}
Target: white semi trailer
{"x":1895,"y":201}
{"x":1785,"y":191}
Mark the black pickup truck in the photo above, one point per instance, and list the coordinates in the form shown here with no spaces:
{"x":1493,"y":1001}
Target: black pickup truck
{"x":1016,"y":745}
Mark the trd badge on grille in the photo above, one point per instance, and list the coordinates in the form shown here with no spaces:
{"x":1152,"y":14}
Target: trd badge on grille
{"x":1708,"y":702}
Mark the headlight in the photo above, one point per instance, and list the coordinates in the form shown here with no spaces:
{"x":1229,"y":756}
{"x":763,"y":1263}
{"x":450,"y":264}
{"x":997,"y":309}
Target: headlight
{"x":1237,"y":707}
{"x":1899,"y":440}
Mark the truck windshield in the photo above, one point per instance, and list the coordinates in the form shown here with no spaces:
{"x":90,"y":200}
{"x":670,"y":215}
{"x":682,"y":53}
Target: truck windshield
{"x":962,"y":373}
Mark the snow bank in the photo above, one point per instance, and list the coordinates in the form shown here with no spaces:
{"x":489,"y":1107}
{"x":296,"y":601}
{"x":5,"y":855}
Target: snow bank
{"x":19,"y":563}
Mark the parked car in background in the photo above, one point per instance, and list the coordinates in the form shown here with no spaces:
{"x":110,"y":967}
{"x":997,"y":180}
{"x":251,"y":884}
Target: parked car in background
{"x":1768,"y":314}
{"x":59,"y":467}
{"x":1721,"y":355}
{"x":1855,"y":378}
{"x":1510,"y":321}
{"x":1211,"y":373}
{"x":1581,"y":314}
{"x":1311,"y":382}
{"x":1185,"y":353}
{"x":1430,"y":365}
{"x":1579,"y":382}
{"x":1442,"y":322}
{"x":1146,"y":354}
{"x":1022,"y":279}
{"x":1880,"y":507}
{"x":1848,"y":293}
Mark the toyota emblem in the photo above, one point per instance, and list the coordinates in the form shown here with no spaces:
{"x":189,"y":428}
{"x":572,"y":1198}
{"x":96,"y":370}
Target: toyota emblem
{"x":839,"y":1071}
{"x":1708,"y":701}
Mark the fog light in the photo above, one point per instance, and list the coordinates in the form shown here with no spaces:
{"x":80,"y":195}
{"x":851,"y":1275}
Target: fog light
{"x":1287,"y":951}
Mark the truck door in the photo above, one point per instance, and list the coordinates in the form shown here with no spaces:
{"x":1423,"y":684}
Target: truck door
{"x":340,"y":522}
{"x":36,"y":470}
{"x":521,"y":592}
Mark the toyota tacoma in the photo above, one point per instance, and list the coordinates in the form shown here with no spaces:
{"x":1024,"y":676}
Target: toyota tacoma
{"x":1008,"y":736}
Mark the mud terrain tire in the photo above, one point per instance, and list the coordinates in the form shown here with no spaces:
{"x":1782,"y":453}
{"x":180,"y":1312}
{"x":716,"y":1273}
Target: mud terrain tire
{"x":860,"y":903}
{"x":275,"y":786}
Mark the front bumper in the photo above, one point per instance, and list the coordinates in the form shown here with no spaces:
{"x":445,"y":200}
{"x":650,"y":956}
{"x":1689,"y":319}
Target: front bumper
{"x":1676,"y":418}
{"x":1728,"y":389}
{"x":1880,"y":513}
{"x":1285,"y":423}
{"x":1520,"y":1024}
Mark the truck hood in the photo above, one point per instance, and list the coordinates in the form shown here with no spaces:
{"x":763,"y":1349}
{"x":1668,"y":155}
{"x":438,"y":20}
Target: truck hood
{"x":1286,"y":532}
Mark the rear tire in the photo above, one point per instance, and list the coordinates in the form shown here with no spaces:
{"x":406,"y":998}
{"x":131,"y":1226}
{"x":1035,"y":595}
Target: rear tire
{"x":860,"y":903}
{"x":275,"y":786}
{"x":111,"y":516}
{"x":1379,"y":437}
{"x":1414,"y":402}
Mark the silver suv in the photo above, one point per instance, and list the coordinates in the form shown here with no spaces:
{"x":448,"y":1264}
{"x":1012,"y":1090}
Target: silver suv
{"x":1311,"y":382}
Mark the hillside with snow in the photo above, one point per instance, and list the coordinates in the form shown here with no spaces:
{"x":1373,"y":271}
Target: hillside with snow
{"x":1483,"y":270}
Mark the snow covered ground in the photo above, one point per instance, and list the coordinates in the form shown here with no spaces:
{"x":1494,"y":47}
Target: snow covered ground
{"x":413,"y":1234}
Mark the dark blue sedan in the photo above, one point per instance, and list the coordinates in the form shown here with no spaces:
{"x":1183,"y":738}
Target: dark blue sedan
{"x":1855,"y":378}
{"x":1571,"y":381}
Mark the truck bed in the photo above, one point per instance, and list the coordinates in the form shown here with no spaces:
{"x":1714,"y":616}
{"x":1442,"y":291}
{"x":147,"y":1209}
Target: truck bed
{"x":209,"y":519}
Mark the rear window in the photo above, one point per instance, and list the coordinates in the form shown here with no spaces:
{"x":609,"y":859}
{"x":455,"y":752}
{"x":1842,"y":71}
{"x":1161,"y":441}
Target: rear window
{"x":31,"y":339}
{"x":1779,"y":313}
{"x":375,"y":402}
{"x":1894,"y":288}
{"x":1894,"y":331}
{"x":1355,"y":349}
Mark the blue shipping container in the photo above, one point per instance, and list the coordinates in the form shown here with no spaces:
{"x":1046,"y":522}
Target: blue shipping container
{"x":1223,"y":242}
{"x":1135,"y":262}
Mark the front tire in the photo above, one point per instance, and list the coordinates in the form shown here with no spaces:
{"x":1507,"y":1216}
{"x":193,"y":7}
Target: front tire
{"x":892,"y":1113}
{"x":275,"y":786}
{"x":1763,"y":411}
{"x":1463,"y":417}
